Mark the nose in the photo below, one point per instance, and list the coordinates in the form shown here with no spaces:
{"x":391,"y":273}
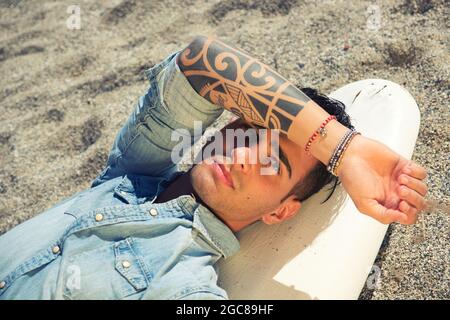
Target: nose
{"x":241,"y":159}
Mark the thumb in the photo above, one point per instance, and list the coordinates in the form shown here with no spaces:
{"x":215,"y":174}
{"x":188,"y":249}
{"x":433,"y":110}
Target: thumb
{"x":384,"y":215}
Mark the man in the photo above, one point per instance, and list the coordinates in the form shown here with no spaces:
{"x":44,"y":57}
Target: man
{"x":145,"y":231}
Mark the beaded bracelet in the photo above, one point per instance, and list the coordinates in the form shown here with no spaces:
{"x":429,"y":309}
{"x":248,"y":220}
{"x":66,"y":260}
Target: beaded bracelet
{"x":336,"y":153}
{"x":336,"y":161}
{"x":321,"y":130}
{"x":339,"y":151}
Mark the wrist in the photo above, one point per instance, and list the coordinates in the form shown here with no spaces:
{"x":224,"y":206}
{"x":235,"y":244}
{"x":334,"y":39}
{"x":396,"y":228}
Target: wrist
{"x":323,"y":148}
{"x":347,"y":154}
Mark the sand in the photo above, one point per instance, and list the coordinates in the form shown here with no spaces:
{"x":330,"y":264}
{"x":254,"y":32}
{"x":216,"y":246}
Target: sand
{"x":65,"y":93}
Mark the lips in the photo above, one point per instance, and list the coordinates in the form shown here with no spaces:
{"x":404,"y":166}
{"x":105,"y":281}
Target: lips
{"x":223,"y":174}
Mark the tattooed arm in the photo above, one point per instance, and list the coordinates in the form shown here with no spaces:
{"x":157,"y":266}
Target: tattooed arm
{"x":369,"y":171}
{"x":241,"y":84}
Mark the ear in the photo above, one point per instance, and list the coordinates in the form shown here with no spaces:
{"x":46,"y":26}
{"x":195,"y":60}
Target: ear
{"x":286,"y":210}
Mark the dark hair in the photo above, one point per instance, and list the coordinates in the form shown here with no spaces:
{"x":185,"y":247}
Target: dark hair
{"x":319,"y":177}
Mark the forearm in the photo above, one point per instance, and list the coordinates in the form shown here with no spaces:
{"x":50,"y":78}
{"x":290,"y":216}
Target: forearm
{"x":241,"y":84}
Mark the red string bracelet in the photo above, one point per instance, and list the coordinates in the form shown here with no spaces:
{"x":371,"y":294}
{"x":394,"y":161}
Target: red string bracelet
{"x":321,"y":130}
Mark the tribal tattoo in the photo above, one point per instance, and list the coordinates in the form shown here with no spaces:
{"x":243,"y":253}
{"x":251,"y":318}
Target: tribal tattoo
{"x":230,"y":78}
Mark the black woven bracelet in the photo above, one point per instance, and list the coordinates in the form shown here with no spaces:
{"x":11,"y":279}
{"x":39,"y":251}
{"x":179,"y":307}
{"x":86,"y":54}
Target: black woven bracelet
{"x":336,"y":165}
{"x":339,"y":151}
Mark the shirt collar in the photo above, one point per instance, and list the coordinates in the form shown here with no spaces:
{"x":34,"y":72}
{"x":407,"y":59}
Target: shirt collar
{"x":215,"y":232}
{"x":208,"y":224}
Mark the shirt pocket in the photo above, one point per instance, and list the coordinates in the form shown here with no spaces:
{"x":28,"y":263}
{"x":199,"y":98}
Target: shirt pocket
{"x":113,"y":271}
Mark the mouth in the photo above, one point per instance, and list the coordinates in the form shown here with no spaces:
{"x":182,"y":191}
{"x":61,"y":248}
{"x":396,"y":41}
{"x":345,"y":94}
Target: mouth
{"x":223,"y":174}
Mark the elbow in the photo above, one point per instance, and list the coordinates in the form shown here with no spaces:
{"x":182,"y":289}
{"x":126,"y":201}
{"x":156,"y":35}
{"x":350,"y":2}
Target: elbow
{"x":193,"y":48}
{"x":198,"y":42}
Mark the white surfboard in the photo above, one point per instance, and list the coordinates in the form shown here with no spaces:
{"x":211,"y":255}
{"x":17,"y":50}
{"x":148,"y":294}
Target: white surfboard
{"x":327,"y":250}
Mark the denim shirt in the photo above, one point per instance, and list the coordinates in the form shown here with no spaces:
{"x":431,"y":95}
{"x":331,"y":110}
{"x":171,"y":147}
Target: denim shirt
{"x":112,"y":241}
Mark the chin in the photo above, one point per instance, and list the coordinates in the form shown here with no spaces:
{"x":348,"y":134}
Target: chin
{"x":202,"y":181}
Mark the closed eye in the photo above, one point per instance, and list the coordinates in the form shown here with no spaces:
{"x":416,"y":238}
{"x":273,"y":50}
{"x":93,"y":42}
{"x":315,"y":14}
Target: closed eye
{"x":282,"y":159}
{"x":275,"y":163}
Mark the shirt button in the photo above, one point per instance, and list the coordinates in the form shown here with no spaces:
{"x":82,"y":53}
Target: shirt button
{"x":98,"y":217}
{"x":56,"y":249}
{"x":2,"y":284}
{"x":153,"y":212}
{"x":126,"y":264}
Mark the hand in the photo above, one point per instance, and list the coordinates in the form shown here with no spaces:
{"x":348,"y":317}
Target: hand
{"x":381,"y":183}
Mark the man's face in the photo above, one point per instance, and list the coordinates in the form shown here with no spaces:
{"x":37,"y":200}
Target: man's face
{"x":240,"y":193}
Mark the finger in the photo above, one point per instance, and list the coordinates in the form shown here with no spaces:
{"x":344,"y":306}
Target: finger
{"x":383,"y":214}
{"x":414,"y":170}
{"x":410,"y":211}
{"x":413,"y":183}
{"x":412,"y":197}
